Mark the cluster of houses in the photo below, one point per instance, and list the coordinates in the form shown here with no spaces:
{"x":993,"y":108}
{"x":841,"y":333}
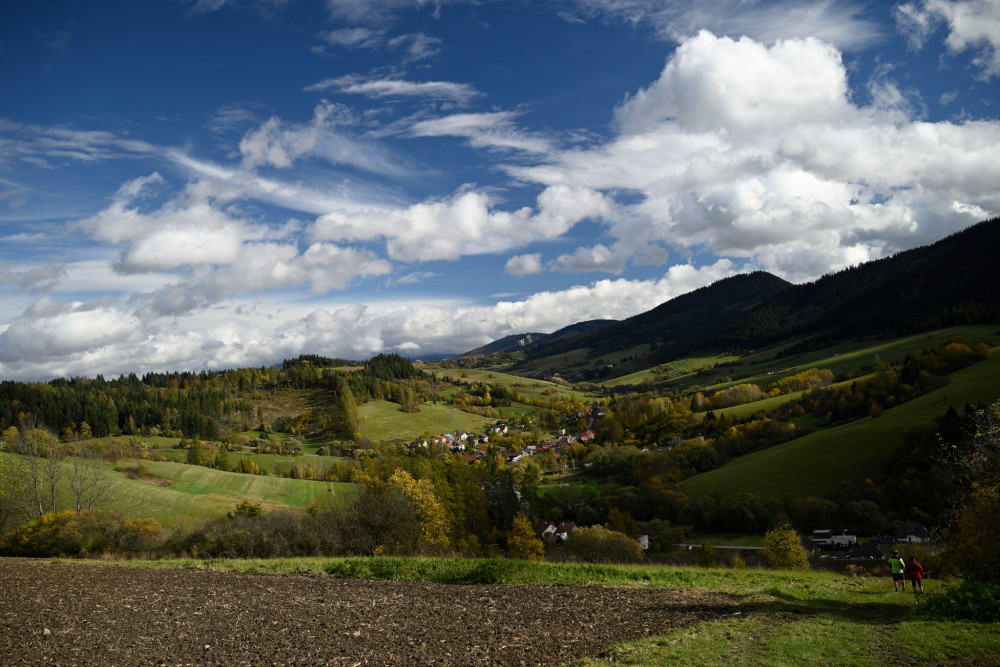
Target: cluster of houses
{"x":474,"y":447}
{"x":847,"y":546}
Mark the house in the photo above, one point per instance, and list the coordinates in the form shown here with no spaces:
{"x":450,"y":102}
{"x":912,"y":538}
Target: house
{"x":643,"y":541}
{"x":867,"y":550}
{"x":912,"y":531}
{"x":548,"y":530}
{"x":586,"y":436}
{"x":842,"y":541}
{"x":563,"y":530}
{"x":825,"y":539}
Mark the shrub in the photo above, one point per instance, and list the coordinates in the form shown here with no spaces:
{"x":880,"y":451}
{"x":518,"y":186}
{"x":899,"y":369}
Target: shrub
{"x":707,"y":555}
{"x":90,"y":532}
{"x":599,"y":545}
{"x":523,"y":544}
{"x":783,"y":548}
{"x":968,"y":601}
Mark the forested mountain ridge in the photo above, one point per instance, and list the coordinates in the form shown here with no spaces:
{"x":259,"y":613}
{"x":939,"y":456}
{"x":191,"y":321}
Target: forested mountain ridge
{"x":674,"y":324}
{"x":526,"y":341}
{"x":951,"y":282}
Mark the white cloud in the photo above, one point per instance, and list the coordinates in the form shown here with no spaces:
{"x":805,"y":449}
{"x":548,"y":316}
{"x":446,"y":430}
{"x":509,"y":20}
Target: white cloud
{"x":42,"y":146}
{"x":356,"y":37}
{"x":759,"y":152}
{"x":280,"y":144}
{"x":378,"y":12}
{"x":837,"y":22}
{"x":53,"y":339}
{"x":460,"y":93}
{"x":742,"y":86}
{"x":971,"y":24}
{"x":31,"y":278}
{"x":483,"y":130}
{"x":51,"y":331}
{"x":595,"y":258}
{"x":201,"y":253}
{"x":467,"y":223}
{"x":417,"y":45}
{"x":524,"y":265}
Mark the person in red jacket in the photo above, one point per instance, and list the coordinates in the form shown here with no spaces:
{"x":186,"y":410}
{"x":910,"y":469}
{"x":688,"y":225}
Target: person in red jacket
{"x":915,"y":572}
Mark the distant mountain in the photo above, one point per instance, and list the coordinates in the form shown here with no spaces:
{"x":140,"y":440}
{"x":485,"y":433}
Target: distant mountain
{"x":951,"y":282}
{"x":675,"y":323}
{"x":522,"y":342}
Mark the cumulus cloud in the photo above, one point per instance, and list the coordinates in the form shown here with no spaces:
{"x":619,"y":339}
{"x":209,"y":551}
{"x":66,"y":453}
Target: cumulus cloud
{"x":467,"y":223}
{"x":31,"y":279}
{"x":51,"y":330}
{"x":758,"y":152}
{"x":524,"y":265}
{"x":971,"y":24}
{"x":214,"y":254}
{"x":54,"y":339}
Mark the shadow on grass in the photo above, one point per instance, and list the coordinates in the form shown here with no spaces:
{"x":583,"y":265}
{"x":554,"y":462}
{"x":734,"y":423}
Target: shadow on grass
{"x":866,"y":612}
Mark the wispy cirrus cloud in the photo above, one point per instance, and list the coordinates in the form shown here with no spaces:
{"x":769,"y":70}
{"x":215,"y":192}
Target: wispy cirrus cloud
{"x":43,"y":146}
{"x":415,"y":46}
{"x":493,"y":130}
{"x":326,"y":136}
{"x":379,"y":12}
{"x":842,"y":23}
{"x":393,"y":87}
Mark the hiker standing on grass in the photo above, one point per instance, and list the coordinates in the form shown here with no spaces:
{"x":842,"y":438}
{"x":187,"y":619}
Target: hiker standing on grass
{"x":915,"y":572}
{"x":897,"y":564}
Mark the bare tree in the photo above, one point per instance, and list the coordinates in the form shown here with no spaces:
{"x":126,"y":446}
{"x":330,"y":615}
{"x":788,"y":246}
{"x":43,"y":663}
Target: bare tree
{"x":89,"y":478}
{"x":15,"y":491}
{"x":42,"y":451}
{"x":977,"y":459}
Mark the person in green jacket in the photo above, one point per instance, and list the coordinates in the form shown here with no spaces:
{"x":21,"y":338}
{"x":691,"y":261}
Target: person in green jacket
{"x":898,"y":565}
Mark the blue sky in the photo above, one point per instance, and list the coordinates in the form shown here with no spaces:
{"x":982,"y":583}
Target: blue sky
{"x":221,"y":183}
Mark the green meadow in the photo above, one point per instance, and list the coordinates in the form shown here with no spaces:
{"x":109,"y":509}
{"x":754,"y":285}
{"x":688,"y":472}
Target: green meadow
{"x":855,"y":357}
{"x":527,"y":386}
{"x":818,"y":463}
{"x":195,"y":492}
{"x":383,"y":420}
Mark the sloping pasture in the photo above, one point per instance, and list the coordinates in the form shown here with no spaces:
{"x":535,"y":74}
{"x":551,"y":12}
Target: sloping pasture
{"x":822,"y":461}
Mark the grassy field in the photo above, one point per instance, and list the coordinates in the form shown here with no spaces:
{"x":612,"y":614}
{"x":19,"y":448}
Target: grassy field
{"x":784,"y":618}
{"x":820,"y":462}
{"x":768,"y":404}
{"x":526,"y":386}
{"x":198,"y":493}
{"x":382,"y":420}
{"x":854,"y":357}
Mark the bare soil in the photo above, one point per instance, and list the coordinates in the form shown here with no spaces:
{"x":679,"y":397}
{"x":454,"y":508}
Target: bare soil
{"x":75,"y":614}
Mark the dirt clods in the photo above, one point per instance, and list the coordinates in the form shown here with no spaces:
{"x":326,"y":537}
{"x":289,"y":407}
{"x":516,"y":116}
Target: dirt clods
{"x":115,"y":615}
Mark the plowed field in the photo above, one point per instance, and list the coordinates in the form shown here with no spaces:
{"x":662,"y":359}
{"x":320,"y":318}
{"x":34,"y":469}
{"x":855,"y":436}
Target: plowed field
{"x":113,"y":615}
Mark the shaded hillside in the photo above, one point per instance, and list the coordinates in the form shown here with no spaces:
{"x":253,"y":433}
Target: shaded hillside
{"x":675,"y":324}
{"x":522,"y":342}
{"x":952,"y":282}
